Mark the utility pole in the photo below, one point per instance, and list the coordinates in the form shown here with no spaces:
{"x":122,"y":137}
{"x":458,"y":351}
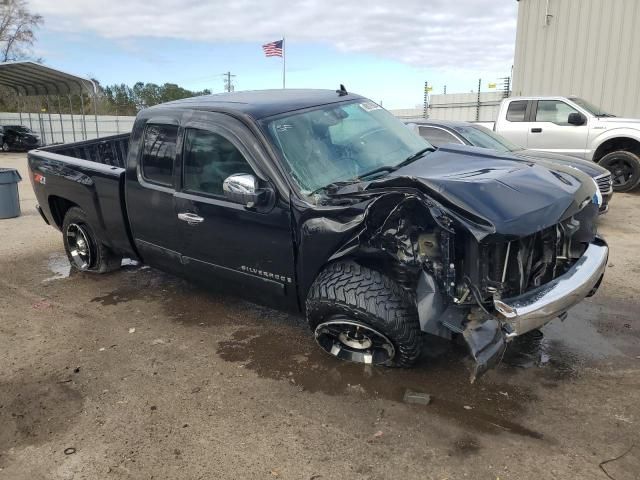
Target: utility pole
{"x":478,"y":101}
{"x":425,"y":111}
{"x":506,"y":86}
{"x":228,"y":82}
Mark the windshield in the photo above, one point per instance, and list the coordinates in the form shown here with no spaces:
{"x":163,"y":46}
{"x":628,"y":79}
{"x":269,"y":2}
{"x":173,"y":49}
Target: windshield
{"x":341,"y":142}
{"x":589,"y":107}
{"x":480,"y":136}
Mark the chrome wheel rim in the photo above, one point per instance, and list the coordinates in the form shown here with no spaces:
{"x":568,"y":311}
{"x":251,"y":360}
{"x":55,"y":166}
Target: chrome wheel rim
{"x":79,"y":246}
{"x":353,"y":341}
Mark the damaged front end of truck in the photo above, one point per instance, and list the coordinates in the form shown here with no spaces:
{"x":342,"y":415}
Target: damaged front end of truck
{"x":476,"y":265}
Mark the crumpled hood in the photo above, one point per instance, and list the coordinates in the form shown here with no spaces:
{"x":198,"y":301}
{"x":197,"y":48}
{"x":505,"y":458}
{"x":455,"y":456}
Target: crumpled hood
{"x":499,"y":194}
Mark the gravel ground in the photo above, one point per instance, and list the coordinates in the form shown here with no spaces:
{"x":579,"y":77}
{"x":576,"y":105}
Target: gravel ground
{"x":138,"y":374}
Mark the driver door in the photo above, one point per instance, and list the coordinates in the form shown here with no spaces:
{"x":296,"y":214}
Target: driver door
{"x":245,"y":250}
{"x":551,"y":131}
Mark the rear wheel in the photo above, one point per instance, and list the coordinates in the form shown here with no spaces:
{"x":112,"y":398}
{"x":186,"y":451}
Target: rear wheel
{"x":5,"y":147}
{"x":360,"y":315}
{"x":625,"y":169}
{"x":85,"y":250}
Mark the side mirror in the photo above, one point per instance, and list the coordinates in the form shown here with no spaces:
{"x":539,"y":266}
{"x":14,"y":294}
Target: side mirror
{"x":576,"y":119}
{"x":243,"y":188}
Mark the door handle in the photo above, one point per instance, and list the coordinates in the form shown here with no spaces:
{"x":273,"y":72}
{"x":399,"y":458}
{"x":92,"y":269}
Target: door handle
{"x":190,"y":218}
{"x":536,"y":130}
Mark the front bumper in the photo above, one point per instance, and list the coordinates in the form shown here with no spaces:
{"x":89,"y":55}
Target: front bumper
{"x":537,"y":307}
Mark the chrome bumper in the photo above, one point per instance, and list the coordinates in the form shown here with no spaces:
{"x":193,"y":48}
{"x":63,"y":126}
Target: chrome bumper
{"x":535,"y":308}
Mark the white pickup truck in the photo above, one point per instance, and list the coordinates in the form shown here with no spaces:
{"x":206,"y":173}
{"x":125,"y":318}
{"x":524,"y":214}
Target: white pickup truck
{"x":573,"y":126}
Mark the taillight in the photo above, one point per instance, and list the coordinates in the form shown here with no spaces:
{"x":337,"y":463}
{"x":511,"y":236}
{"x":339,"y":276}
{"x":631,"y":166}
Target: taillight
{"x":39,"y":178}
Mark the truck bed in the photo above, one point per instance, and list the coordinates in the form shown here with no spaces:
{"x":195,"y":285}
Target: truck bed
{"x":89,"y":175}
{"x":110,"y":150}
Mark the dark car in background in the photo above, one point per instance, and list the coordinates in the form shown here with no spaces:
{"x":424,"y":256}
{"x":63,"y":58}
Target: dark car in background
{"x":18,"y":137}
{"x":440,"y":132}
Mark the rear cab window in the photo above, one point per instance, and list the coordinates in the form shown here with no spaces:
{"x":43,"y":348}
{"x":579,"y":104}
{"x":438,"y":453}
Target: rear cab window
{"x":517,"y":110}
{"x":158,"y":154}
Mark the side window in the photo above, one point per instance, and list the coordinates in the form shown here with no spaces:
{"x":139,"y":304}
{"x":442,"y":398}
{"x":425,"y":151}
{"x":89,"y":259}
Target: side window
{"x":158,"y":154}
{"x":517,"y":111}
{"x":437,"y":136}
{"x":554,"y":111}
{"x":208,"y":159}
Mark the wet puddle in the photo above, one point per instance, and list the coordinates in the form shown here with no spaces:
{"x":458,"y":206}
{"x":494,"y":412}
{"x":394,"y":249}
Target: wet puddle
{"x":183,"y":302}
{"x":32,"y":411}
{"x":494,"y":403}
{"x":137,"y":282}
{"x":58,"y":264}
{"x":278,"y":346}
{"x":290,"y":354}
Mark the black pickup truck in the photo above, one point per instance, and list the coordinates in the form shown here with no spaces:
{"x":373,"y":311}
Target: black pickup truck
{"x":321,"y":202}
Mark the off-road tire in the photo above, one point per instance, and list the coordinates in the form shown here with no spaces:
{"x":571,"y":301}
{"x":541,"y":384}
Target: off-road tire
{"x":369,"y":297}
{"x":103,"y":259}
{"x":630,"y":160}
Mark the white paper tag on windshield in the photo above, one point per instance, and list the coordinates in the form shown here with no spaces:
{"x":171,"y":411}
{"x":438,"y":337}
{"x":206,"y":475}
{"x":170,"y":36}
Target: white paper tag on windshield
{"x":370,"y":106}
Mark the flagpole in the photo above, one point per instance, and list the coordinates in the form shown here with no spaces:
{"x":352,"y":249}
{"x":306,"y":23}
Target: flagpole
{"x":284,"y":61}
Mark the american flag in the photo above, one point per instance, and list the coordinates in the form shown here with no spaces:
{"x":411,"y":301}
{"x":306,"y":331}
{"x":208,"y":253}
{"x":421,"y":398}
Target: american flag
{"x":273,"y":49}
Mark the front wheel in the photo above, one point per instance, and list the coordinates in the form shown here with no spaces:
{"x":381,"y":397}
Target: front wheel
{"x":85,"y":250}
{"x":625,"y":169}
{"x":5,"y":147}
{"x":360,"y":315}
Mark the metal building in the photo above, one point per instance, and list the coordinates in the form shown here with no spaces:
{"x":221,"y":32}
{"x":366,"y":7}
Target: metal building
{"x":53,"y":88}
{"x":588,"y":48}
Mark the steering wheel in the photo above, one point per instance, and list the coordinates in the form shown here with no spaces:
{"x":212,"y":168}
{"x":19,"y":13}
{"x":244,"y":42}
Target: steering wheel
{"x":363,"y":137}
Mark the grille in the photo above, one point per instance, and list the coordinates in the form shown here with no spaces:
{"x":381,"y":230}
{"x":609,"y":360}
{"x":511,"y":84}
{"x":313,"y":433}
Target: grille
{"x":604,"y":183}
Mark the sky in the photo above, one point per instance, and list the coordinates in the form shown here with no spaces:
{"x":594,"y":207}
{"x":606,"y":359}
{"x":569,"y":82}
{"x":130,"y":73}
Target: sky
{"x":382,"y":49}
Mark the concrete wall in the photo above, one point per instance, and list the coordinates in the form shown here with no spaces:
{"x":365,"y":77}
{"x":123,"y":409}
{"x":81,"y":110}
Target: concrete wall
{"x":458,"y":106}
{"x":588,"y":48}
{"x":107,"y":125}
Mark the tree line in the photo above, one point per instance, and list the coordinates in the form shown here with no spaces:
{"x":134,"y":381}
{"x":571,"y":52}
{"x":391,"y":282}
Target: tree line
{"x":18,"y":28}
{"x":125,"y":100}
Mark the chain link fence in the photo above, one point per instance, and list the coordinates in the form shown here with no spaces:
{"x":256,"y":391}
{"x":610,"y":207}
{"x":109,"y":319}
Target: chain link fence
{"x":62,"y":128}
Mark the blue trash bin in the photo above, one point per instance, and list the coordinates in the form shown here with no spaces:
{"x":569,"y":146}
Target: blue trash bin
{"x":9,"y":198}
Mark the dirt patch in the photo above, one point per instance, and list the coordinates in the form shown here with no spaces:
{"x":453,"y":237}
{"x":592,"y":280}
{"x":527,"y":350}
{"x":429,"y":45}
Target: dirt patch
{"x":31,"y":412}
{"x":465,"y":447}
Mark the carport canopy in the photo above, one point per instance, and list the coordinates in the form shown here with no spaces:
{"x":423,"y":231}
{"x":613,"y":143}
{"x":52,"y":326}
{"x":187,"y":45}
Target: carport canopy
{"x":30,"y":79}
